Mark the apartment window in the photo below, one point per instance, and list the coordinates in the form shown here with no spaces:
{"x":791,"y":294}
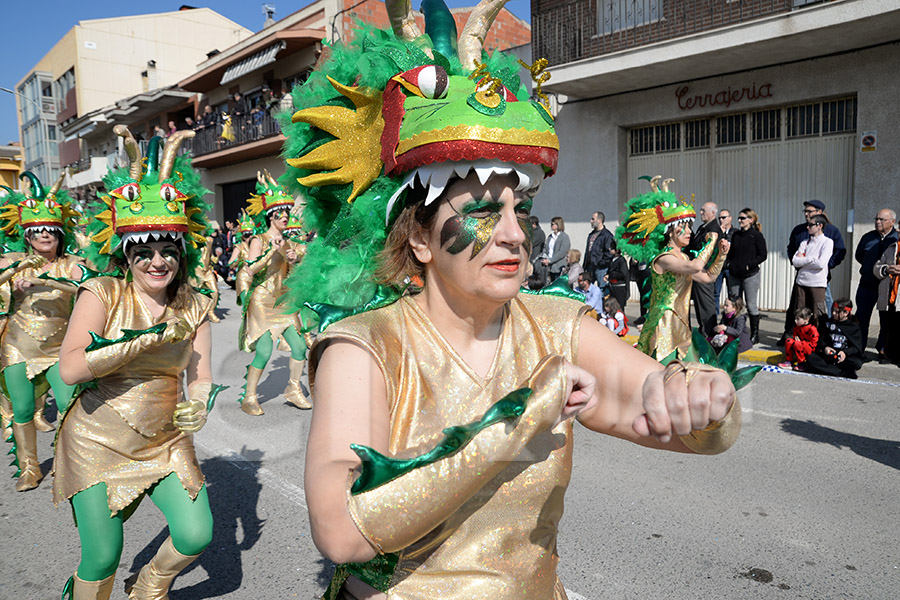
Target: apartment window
{"x":731,"y":130}
{"x":668,"y":137}
{"x":642,"y":141}
{"x":63,"y":85}
{"x":803,"y":120}
{"x":294,"y":80}
{"x":696,"y":134}
{"x":765,"y":125}
{"x":618,"y":15}
{"x":51,"y":132}
{"x":839,"y":115}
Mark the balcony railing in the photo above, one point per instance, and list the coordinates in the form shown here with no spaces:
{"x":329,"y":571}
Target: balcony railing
{"x":587,"y":28}
{"x":253,"y":127}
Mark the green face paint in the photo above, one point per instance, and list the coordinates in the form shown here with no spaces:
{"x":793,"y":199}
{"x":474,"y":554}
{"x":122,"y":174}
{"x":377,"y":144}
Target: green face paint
{"x":476,"y":223}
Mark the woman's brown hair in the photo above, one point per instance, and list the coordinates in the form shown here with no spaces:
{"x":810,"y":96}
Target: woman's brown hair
{"x":397,"y":261}
{"x":755,"y":217}
{"x":560,"y":224}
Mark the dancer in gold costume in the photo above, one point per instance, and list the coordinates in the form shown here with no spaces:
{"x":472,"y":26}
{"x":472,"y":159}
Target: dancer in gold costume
{"x":40,"y":282}
{"x":140,"y":338}
{"x":206,"y":278}
{"x":440,"y":446}
{"x":247,"y":228}
{"x":269,"y":260}
{"x":656,"y":227}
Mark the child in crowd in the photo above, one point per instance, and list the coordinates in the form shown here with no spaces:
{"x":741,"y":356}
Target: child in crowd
{"x":732,"y":327}
{"x":615,"y":318}
{"x":803,"y":341}
{"x":840,"y":349}
{"x":573,"y":267}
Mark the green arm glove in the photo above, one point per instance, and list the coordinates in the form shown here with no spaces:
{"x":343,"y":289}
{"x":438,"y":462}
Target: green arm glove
{"x":104,"y":356}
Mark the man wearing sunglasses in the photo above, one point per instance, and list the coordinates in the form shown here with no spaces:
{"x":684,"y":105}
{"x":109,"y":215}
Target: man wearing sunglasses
{"x":800,"y":233}
{"x":724,"y":220}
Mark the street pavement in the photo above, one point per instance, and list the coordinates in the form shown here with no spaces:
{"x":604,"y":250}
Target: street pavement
{"x":804,"y":506}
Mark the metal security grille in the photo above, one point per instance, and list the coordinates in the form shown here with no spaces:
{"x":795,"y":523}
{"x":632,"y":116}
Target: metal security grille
{"x":696,"y":134}
{"x":766,"y":125}
{"x":668,"y":137}
{"x":803,"y":120}
{"x":839,"y":115}
{"x":642,"y":140}
{"x":731,"y":129}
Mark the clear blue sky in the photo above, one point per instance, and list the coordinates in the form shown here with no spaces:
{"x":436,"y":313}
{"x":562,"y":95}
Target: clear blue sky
{"x":31,"y":28}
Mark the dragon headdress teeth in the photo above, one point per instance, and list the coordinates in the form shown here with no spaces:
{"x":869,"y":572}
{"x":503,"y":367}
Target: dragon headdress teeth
{"x":40,"y":210}
{"x":270,"y":197}
{"x":647,"y":218}
{"x":153,"y":199}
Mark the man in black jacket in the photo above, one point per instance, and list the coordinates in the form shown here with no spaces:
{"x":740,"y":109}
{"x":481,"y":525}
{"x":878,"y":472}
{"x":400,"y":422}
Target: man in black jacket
{"x":598,"y":252}
{"x":811,"y":208}
{"x":868,"y":252}
{"x":703,"y":294}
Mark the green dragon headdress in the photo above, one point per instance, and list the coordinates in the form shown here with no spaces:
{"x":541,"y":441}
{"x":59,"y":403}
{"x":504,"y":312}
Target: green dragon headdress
{"x":152,"y":199}
{"x":391,"y":111}
{"x":37,"y":210}
{"x":270,"y":197}
{"x":247,"y":225}
{"x":648,"y":217}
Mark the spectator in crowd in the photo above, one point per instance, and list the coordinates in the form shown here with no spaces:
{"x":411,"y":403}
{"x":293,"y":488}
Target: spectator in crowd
{"x":287,"y":101}
{"x":615,"y":319}
{"x":189,"y":123}
{"x":538,"y":239}
{"x":597,"y":255}
{"x":557,"y":248}
{"x":618,"y":276}
{"x":230,"y":235}
{"x":171,"y":129}
{"x":592,"y":295}
{"x":887,"y":270}
{"x":727,"y":230}
{"x":748,"y":251}
{"x":839,"y":352}
{"x":811,"y":261}
{"x":733,"y":326}
{"x":573,"y":266}
{"x":812,"y":208}
{"x":159,"y":131}
{"x":240,"y":111}
{"x":704,"y":294}
{"x":220,"y":265}
{"x":803,"y":341}
{"x":209,"y":118}
{"x":868,"y":252}
{"x":218,"y":240}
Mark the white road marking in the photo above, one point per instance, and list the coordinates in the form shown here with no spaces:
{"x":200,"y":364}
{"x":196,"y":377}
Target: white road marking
{"x":774,"y":415}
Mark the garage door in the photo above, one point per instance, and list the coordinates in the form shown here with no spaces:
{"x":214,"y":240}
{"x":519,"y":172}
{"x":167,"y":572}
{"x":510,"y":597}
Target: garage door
{"x":770,"y":161}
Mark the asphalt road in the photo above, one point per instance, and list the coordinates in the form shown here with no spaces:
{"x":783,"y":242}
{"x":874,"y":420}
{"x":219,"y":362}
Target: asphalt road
{"x":804,"y":506}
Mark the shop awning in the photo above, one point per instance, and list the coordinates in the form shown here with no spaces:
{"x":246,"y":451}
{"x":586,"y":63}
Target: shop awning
{"x":252,"y":63}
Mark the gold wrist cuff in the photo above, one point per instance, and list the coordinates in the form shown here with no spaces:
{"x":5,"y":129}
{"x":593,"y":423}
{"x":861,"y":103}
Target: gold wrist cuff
{"x":718,"y":436}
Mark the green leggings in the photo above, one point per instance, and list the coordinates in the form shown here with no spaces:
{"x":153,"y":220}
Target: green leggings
{"x":264,"y":347}
{"x":190,"y":525}
{"x":21,"y":390}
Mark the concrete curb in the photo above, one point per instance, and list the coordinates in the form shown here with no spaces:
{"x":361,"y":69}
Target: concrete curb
{"x":770,"y":357}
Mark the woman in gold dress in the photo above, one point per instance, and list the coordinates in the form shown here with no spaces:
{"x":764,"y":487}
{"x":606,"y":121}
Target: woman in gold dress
{"x":269,"y":260}
{"x":440,"y":446}
{"x":41,"y":284}
{"x":131,"y":433}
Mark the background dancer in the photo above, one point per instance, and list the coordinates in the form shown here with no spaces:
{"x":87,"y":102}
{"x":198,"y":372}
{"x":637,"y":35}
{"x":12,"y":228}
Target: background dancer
{"x":130,"y":435}
{"x":269,"y":260}
{"x":43,"y":281}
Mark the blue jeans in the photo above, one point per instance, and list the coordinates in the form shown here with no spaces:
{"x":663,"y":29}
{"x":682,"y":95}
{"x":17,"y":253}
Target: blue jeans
{"x":599,"y":274}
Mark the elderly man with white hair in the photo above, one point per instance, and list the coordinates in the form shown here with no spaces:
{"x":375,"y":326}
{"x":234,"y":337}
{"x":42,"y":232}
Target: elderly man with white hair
{"x":868,"y":252}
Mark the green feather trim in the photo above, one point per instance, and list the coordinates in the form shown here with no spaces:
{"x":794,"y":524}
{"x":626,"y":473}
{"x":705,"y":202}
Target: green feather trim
{"x":98,"y":341}
{"x":378,"y":469}
{"x":560,"y":287}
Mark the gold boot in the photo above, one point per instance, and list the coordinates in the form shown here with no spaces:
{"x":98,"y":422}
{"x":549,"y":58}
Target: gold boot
{"x":6,"y":416}
{"x":250,"y":402}
{"x":211,"y":315}
{"x":293,"y":393}
{"x":91,"y":590}
{"x":40,"y":423}
{"x":153,"y":581}
{"x":26,"y":451}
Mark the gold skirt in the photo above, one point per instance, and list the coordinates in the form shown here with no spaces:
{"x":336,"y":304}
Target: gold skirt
{"x":97,"y":445}
{"x":263,"y":315}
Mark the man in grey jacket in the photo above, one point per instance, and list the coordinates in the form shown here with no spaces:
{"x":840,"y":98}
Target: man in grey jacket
{"x":887,"y":269}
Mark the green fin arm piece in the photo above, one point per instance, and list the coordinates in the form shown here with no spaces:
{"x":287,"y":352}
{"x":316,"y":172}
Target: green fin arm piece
{"x":213,"y":393}
{"x":11,"y":266}
{"x":560,"y":287}
{"x":712,"y":257}
{"x":378,"y":469}
{"x":378,"y":572}
{"x":329,"y":313}
{"x":203,"y":290}
{"x":86,"y":274}
{"x":68,"y":589}
{"x":98,"y":341}
{"x":725,"y":360}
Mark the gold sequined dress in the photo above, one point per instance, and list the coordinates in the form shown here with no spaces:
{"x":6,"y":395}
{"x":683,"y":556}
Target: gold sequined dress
{"x":262,"y":314}
{"x":37,"y":324}
{"x":501,"y":544}
{"x":668,"y":324}
{"x":242,"y":278}
{"x":205,"y":275}
{"x":121,"y":431}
